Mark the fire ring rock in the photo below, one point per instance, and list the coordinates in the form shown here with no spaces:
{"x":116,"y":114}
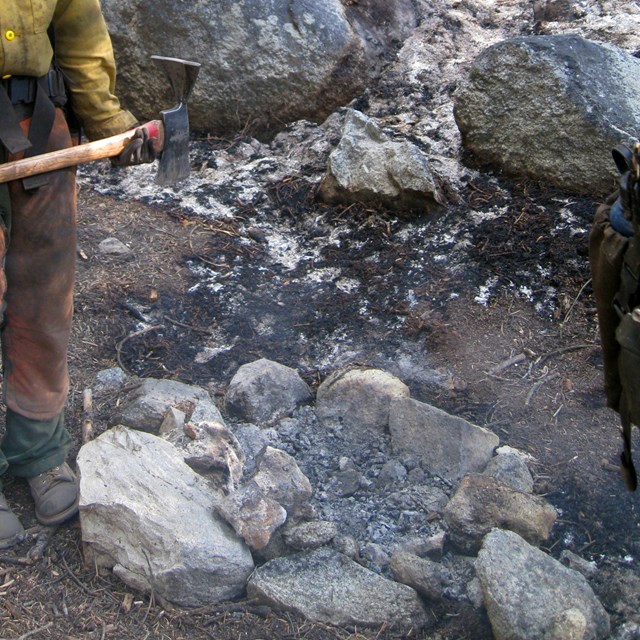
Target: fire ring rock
{"x":264,"y":391}
{"x":134,"y":492}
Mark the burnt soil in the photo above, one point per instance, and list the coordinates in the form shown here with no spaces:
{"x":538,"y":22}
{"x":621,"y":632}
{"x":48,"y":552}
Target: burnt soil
{"x":549,"y":403}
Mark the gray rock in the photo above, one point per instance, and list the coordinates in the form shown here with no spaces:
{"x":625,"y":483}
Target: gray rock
{"x":109,"y":380}
{"x":512,"y":470}
{"x":587,"y":568}
{"x":174,"y":421}
{"x":346,"y":545}
{"x":447,"y":445}
{"x":431,"y":547}
{"x":135,"y":490}
{"x":145,"y":407}
{"x":113,"y":247}
{"x":327,"y":587}
{"x":264,"y":391}
{"x":528,"y":594}
{"x":310,"y":535}
{"x":272,"y":62}
{"x":428,"y":578}
{"x":430,"y":500}
{"x":376,"y":555}
{"x":551,"y":108}
{"x":253,"y":441}
{"x":347,"y":480}
{"x":359,"y":399}
{"x":392,"y":471}
{"x":369,"y":166}
{"x":205,"y":410}
{"x":482,"y":503}
{"x":210,"y":449}
{"x":280,"y":478}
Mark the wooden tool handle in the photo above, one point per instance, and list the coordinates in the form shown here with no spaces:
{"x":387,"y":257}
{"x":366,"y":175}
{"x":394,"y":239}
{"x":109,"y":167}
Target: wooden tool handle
{"x":98,"y":150}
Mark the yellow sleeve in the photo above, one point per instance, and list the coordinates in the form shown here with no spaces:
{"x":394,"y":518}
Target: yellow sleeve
{"x":85,"y":55}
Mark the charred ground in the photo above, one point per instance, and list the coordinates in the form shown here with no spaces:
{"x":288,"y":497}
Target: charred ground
{"x":194,"y":299}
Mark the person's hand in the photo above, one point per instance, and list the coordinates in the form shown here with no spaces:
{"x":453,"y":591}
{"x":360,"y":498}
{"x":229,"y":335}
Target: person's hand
{"x":139,"y":150}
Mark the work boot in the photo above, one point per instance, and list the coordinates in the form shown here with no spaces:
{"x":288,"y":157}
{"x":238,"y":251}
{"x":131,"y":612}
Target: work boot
{"x":55,"y":493}
{"x":11,"y":531}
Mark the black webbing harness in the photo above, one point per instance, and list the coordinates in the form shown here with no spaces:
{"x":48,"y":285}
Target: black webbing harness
{"x":24,"y":96}
{"x":21,"y":96}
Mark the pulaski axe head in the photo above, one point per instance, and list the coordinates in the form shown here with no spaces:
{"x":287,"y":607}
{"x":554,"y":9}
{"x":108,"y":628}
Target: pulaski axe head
{"x":174,"y":160}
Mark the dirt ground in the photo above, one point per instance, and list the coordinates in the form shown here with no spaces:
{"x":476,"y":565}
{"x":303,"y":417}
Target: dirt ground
{"x":533,"y":378}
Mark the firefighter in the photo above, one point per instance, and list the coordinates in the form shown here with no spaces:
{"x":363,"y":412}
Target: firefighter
{"x":53,"y":54}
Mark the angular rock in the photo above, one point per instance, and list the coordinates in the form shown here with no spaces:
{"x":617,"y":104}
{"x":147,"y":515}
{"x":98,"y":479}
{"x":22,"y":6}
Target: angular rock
{"x":528,"y":594}
{"x":174,"y":420}
{"x":431,"y":547}
{"x":551,"y":108}
{"x":512,"y":470}
{"x":447,"y":445}
{"x":326,"y":586}
{"x":254,"y":516}
{"x":280,"y":478}
{"x":135,"y":490}
{"x":482,"y":503}
{"x":273,"y":62}
{"x":587,"y":568}
{"x":253,"y":441}
{"x":347,"y":480}
{"x":428,"y":578}
{"x":429,"y":500}
{"x":359,"y":399}
{"x":369,"y":166}
{"x":376,"y":555}
{"x":210,"y":449}
{"x":109,"y":380}
{"x":264,"y":391}
{"x":392,"y":471}
{"x":146,"y":406}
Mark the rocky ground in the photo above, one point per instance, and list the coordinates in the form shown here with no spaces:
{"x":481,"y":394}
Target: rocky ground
{"x":484,"y":310}
{"x":452,"y":346}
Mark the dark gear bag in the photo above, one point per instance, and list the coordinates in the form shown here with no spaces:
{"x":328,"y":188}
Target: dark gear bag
{"x":614,"y":255}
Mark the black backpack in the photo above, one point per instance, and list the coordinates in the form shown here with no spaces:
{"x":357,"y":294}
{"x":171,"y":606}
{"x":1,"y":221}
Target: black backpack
{"x":614,"y":255}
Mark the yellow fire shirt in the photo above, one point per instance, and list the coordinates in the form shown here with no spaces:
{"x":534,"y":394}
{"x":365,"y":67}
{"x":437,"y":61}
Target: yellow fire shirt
{"x":83,"y":52}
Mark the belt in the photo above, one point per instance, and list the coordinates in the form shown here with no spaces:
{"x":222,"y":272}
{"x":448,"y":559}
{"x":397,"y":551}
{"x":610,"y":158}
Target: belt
{"x":23,"y":89}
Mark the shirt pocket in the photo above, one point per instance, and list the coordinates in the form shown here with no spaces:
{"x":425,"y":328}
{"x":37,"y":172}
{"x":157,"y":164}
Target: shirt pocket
{"x":42,"y":13}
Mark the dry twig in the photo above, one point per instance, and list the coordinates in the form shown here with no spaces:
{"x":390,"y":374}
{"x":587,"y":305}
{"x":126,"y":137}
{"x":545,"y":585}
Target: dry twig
{"x":30,"y":634}
{"x":573,"y":304}
{"x":556,"y":352}
{"x":135,"y":334}
{"x":73,"y":576}
{"x":15,"y":560}
{"x":87,"y":417}
{"x":502,"y":366}
{"x":534,"y":389}
{"x":187,"y":326}
{"x":42,"y":540}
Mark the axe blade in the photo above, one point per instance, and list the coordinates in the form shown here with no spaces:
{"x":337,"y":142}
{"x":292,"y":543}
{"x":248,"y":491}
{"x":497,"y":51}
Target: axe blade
{"x":173,"y":165}
{"x":174,"y":160}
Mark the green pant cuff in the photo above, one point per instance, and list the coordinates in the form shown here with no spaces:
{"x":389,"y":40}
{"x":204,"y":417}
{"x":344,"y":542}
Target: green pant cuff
{"x":43,"y":464}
